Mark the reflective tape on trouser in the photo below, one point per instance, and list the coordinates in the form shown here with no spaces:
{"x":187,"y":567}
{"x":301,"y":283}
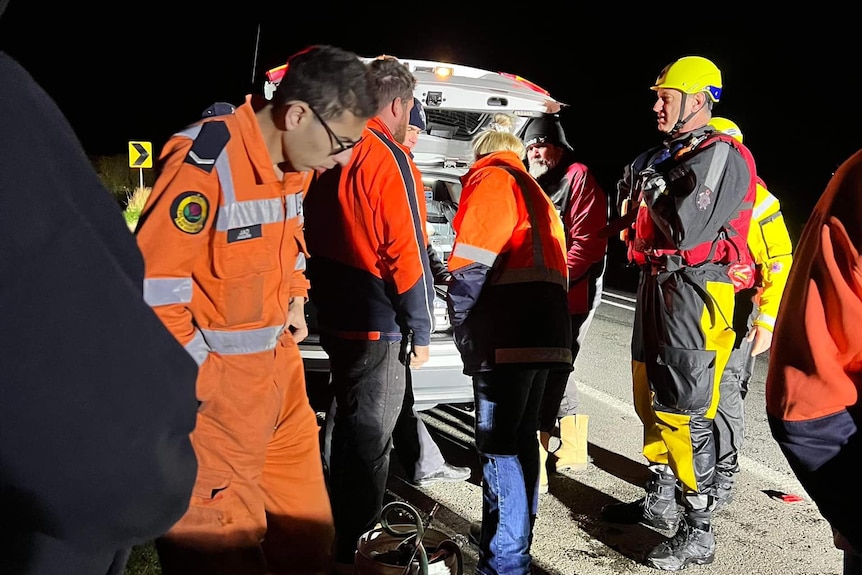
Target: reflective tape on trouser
{"x":232,"y":342}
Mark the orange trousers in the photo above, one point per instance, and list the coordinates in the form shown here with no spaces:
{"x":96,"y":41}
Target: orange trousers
{"x":260,"y":503}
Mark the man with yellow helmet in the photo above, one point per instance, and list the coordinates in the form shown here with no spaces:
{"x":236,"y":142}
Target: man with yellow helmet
{"x":693,"y":198}
{"x":754,"y":320}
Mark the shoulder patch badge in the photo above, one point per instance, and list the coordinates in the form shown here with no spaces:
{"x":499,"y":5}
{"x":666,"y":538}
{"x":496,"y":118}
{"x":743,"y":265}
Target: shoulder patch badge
{"x":189,"y":211}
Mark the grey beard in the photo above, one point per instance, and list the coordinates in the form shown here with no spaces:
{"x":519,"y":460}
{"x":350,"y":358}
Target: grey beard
{"x":538,"y":169}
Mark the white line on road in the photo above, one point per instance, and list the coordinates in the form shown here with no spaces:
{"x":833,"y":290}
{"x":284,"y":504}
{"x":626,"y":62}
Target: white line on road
{"x":615,"y":304}
{"x":619,"y":296}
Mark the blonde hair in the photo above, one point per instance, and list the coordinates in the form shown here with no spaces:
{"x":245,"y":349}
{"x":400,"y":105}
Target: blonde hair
{"x":498,"y":137}
{"x":503,"y":123}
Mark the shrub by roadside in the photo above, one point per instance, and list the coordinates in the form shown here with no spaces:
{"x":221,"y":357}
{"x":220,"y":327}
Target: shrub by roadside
{"x":134,"y":206}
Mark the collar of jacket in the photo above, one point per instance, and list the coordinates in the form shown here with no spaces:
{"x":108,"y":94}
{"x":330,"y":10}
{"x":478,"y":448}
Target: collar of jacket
{"x":376,"y":123}
{"x":501,"y":159}
{"x":683,"y":140}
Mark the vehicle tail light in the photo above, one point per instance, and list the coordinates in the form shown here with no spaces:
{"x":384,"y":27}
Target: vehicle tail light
{"x":527,"y":83}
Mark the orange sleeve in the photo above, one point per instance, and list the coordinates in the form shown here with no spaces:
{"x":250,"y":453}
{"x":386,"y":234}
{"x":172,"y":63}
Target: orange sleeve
{"x":815,"y":364}
{"x":486,"y":217}
{"x":174,"y":232}
{"x":400,"y":219}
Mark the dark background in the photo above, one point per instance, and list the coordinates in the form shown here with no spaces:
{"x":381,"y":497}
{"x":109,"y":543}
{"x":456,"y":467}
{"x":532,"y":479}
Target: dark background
{"x":140,"y":71}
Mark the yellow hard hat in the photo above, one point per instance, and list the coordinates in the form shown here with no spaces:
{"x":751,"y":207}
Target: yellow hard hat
{"x":690,"y":75}
{"x":729,"y":127}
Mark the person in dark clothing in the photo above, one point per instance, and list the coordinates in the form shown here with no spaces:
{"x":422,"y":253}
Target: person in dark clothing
{"x":98,"y":398}
{"x":417,"y":451}
{"x":583,"y":208}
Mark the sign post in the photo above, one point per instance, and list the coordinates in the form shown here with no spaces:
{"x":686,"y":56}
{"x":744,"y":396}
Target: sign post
{"x":141,"y":156}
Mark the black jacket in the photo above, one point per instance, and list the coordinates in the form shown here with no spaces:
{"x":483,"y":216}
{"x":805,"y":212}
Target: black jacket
{"x":98,"y":398}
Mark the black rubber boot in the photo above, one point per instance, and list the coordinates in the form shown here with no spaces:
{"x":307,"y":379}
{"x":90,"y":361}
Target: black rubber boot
{"x":721,"y":491}
{"x":694,"y":543}
{"x":658,"y":508}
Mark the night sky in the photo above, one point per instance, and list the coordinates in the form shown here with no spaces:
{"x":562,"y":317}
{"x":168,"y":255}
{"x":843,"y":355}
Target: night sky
{"x":125,"y":71}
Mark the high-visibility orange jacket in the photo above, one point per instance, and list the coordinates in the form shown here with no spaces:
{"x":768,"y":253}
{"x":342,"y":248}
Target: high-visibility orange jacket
{"x":223,"y":241}
{"x":507,"y":298}
{"x":815,"y":363}
{"x":365,"y":226}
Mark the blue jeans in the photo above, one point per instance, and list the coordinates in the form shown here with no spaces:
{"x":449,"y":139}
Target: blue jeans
{"x":368,"y":382}
{"x":507,"y":418}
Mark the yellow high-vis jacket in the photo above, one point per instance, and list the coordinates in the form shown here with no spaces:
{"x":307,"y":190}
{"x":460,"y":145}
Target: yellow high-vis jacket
{"x":772,"y":249}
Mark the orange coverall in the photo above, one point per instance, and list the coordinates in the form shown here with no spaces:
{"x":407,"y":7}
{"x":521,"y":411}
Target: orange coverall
{"x":222,"y":239}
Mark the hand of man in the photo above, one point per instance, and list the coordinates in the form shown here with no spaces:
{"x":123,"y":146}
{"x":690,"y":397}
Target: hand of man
{"x":296,"y":319}
{"x":419,"y":356}
{"x":762,"y":339}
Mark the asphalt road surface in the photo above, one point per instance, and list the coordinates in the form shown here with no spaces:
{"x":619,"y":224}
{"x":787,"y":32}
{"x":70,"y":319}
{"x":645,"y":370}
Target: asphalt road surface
{"x":758,"y":533}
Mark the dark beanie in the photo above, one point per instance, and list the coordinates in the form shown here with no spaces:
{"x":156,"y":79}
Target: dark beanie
{"x":417,"y":115}
{"x":546,"y":130}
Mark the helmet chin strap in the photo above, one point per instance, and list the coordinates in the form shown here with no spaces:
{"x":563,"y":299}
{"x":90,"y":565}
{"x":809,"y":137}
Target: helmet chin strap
{"x":681,"y":121}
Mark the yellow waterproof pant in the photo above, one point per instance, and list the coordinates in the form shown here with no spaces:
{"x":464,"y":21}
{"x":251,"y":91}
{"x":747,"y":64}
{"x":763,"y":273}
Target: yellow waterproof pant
{"x":681,"y":341}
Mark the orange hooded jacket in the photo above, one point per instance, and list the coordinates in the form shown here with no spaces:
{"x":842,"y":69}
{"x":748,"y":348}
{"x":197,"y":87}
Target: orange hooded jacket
{"x":507,"y":298}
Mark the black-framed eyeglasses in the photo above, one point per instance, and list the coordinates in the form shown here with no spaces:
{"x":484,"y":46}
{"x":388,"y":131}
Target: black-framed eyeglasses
{"x":341,"y":144}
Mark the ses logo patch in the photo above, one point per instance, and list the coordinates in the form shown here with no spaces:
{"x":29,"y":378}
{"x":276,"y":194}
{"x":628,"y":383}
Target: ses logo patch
{"x":189,"y":212}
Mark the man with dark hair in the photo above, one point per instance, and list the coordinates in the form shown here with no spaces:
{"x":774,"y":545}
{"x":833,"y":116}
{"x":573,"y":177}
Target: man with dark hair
{"x":583,"y":207}
{"x":223,"y":241}
{"x":372,"y":286}
{"x":97,"y":397}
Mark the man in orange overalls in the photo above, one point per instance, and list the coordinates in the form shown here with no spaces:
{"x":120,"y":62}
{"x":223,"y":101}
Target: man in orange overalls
{"x":222,"y":239}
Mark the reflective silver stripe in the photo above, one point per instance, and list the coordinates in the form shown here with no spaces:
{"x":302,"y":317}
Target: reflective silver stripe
{"x":300,"y":261}
{"x":475,"y":253}
{"x":533,"y":354}
{"x":197,"y":348}
{"x":524,"y":275}
{"x":199,"y":160}
{"x":167,"y":291}
{"x":760,"y":209}
{"x":249,"y":213}
{"x":242,"y":341}
{"x":766,"y":319}
{"x":191,"y":132}
{"x":716,"y":166}
{"x":225,"y":179}
{"x":293,"y":205}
